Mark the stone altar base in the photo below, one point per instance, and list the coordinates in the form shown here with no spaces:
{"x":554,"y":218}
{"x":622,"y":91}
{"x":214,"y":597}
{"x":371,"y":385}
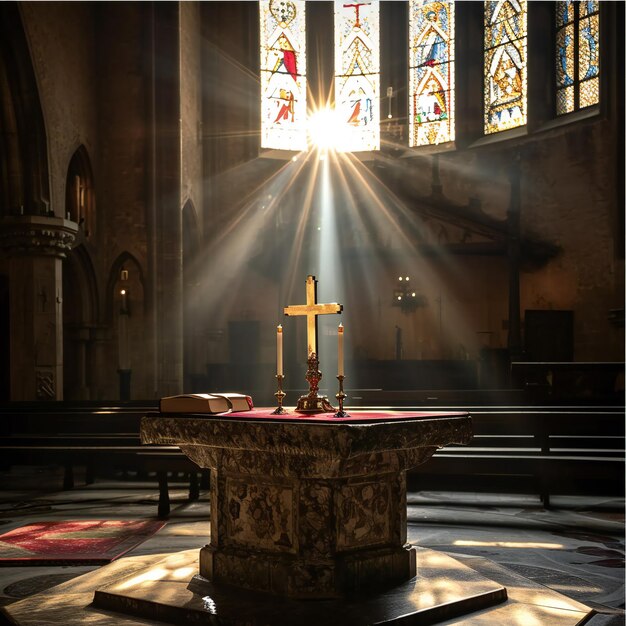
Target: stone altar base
{"x":308,"y":506}
{"x":169,"y":591}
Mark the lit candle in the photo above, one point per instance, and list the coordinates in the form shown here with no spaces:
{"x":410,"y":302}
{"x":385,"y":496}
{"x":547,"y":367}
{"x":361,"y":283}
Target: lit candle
{"x":279,"y":350}
{"x":340,"y":350}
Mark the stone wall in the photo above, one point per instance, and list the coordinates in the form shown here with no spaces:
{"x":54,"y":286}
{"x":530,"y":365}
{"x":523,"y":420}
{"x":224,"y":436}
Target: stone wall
{"x":94,"y":67}
{"x":62,"y":40}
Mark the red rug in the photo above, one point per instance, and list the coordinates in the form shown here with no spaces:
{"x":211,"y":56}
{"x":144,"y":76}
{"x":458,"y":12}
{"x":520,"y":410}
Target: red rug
{"x":92,"y":542}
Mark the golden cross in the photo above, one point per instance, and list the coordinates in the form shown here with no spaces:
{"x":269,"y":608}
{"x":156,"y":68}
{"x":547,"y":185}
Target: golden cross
{"x":312,"y":309}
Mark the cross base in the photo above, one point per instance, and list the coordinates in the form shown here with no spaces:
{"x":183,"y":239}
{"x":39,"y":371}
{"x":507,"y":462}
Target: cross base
{"x":314,"y":404}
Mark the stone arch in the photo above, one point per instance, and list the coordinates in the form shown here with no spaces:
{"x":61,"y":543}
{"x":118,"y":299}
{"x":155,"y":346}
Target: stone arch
{"x":24,"y":180}
{"x":124,"y":262}
{"x":80,"y":200}
{"x":127,"y":350}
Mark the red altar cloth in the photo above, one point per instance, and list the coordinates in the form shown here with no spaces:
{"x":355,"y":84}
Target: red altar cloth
{"x":358,"y":417}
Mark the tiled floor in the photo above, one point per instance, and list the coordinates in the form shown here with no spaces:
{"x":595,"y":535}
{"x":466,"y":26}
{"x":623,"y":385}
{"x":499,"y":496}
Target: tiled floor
{"x":576,"y":548}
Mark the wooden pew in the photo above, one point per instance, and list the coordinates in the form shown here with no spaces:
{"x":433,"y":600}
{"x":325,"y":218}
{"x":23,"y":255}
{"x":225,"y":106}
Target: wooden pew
{"x":99,"y":436}
{"x":518,"y":446}
{"x":527,"y":449}
{"x":543,"y":450}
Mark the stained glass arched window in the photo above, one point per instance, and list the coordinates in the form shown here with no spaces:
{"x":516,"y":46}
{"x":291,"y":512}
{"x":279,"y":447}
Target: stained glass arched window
{"x":505,"y":64}
{"x":431,"y":72}
{"x":283,"y":74}
{"x":577,"y":55}
{"x":357,"y":74}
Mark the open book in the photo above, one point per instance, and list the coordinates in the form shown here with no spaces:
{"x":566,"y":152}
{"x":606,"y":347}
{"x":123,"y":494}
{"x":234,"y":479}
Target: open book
{"x":206,"y":403}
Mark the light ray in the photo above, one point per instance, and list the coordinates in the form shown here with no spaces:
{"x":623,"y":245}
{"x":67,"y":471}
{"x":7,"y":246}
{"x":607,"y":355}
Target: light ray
{"x":337,"y":219}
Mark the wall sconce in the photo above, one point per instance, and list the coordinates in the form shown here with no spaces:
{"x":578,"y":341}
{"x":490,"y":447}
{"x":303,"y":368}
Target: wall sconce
{"x":406,"y":297}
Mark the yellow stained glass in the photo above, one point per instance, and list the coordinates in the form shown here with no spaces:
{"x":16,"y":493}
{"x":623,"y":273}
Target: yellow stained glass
{"x":564,"y":12}
{"x":565,"y":56}
{"x":587,"y":8}
{"x":577,"y":61}
{"x":565,"y":100}
{"x":505,"y":92}
{"x":589,"y":92}
{"x":588,"y":48}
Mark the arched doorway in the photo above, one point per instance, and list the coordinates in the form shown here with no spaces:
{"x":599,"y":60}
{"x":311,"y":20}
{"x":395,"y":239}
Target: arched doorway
{"x":80,"y":297}
{"x":80,"y":306}
{"x":129,"y":374}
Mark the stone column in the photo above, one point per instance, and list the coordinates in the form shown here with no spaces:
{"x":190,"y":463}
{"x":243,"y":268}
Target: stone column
{"x":35,"y":246}
{"x":165,"y":244}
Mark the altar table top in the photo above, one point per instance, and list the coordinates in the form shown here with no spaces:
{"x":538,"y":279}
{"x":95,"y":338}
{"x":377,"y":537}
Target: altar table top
{"x":411,"y":434}
{"x":354,"y":417}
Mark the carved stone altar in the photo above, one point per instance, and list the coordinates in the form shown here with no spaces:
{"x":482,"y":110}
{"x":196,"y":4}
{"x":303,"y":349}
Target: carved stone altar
{"x":309,"y":507}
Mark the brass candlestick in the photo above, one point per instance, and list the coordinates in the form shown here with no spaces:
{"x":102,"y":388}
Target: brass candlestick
{"x":340,"y":398}
{"x":280,"y":394}
{"x":312,"y":403}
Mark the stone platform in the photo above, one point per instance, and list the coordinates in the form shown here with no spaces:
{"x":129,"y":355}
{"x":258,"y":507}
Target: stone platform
{"x":554,"y":563}
{"x":166,"y":591}
{"x":159,"y":589}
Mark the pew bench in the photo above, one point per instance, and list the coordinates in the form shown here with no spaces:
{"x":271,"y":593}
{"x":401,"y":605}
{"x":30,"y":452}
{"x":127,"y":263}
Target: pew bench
{"x":542,"y":450}
{"x":99,"y":455}
{"x":98,"y":436}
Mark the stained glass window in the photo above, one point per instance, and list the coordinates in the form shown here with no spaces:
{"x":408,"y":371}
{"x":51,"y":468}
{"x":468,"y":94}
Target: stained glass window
{"x":505,"y":64}
{"x":431,"y":72}
{"x":283,"y":74}
{"x":577,"y":55}
{"x":357,"y":73}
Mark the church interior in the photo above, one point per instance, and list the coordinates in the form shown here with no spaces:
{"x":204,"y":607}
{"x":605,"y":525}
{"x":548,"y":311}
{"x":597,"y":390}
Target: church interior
{"x":444,"y":179}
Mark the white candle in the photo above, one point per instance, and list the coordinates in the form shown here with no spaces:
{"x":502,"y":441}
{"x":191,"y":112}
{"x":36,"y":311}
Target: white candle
{"x":340,"y":350}
{"x":279,"y":350}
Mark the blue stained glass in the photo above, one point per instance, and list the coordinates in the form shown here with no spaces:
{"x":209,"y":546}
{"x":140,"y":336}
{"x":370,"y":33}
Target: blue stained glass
{"x":577,"y":62}
{"x":589,"y":48}
{"x":588,"y":7}
{"x":565,"y":56}
{"x":564,"y":12}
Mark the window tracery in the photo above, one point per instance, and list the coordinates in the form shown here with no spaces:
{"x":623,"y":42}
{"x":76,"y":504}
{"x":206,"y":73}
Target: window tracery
{"x":431,"y":72}
{"x":577,"y":55}
{"x":505,"y":65}
{"x":283,"y":74}
{"x":357,"y":73}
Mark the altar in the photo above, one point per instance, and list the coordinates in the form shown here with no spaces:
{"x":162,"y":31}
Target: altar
{"x":308,"y":506}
